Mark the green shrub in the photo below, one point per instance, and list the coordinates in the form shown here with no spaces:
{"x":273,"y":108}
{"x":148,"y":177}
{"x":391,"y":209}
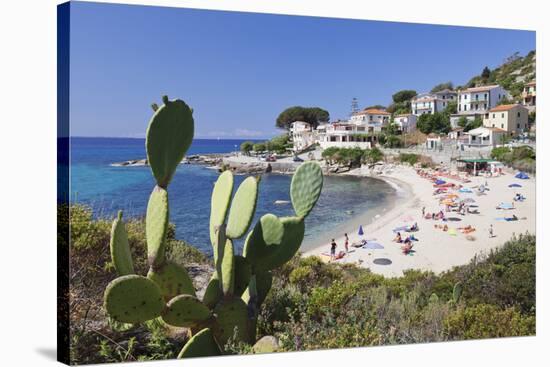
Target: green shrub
{"x":488,"y":321}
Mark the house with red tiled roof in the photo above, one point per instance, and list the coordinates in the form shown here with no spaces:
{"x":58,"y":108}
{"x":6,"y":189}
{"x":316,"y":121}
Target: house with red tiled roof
{"x":373,"y":119}
{"x":512,"y":118}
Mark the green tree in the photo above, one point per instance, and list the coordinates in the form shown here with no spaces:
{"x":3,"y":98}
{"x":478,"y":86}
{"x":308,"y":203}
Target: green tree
{"x":434,"y":123}
{"x":259,"y":147}
{"x":376,"y":106}
{"x":311,"y":115}
{"x":403,"y":95}
{"x":473,"y":124}
{"x":486,"y":73}
{"x":442,"y":86}
{"x":451,"y":108}
{"x":246,"y":147}
{"x":373,"y":155}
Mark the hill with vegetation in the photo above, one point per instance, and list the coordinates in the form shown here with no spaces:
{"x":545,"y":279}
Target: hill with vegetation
{"x":512,"y":75}
{"x":312,"y":305}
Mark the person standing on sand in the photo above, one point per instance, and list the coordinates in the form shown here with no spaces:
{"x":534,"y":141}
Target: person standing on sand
{"x":332,"y":250}
{"x":491,"y":235}
{"x":346,"y":242}
{"x":423,"y":211}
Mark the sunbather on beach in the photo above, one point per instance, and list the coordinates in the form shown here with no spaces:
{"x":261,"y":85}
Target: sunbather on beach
{"x":407,"y":248}
{"x":346,"y":239}
{"x":398,"y":238}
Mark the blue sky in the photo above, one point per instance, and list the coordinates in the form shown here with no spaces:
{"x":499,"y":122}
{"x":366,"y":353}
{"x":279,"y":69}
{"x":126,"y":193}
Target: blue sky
{"x":240,"y":70}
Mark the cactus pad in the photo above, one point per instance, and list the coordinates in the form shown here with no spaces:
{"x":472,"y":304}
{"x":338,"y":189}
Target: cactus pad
{"x":305,"y":188}
{"x":242,"y":275}
{"x":242,"y":209}
{"x":261,"y":247}
{"x":133,"y":299}
{"x":120,"y":249}
{"x":221,"y":198}
{"x":169,"y":135}
{"x":213,"y":292}
{"x":185,"y":311}
{"x":172,"y":280}
{"x":225,"y":267}
{"x":260,"y":285}
{"x":231,"y":313}
{"x":457,"y":292}
{"x":201,"y":344}
{"x":156,"y":226}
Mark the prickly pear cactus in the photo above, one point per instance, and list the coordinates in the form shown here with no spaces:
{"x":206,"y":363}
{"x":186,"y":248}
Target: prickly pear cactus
{"x":156,"y":226}
{"x":231,"y":320}
{"x":185,"y":311}
{"x":221,"y":198}
{"x":243,"y":208}
{"x":305,"y":188}
{"x":169,"y":135}
{"x":172,"y":280}
{"x":133,"y":299}
{"x":457,"y":292}
{"x":201,"y":344}
{"x":240,"y":284}
{"x":120,"y":249}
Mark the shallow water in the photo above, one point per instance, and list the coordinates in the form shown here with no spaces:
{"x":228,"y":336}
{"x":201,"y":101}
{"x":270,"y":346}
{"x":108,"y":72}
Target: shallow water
{"x":108,"y":189}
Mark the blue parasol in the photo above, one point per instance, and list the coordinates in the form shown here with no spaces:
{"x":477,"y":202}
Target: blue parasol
{"x":360,"y":233}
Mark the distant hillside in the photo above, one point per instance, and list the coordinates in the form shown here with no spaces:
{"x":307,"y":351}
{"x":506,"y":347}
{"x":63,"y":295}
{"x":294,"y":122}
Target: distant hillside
{"x":515,"y":71}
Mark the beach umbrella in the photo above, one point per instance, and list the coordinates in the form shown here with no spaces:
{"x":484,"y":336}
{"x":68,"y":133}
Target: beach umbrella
{"x":373,"y":246}
{"x":514,"y":185}
{"x":360,"y":233}
{"x":469,"y":200}
{"x":465,"y":190}
{"x":522,"y":175}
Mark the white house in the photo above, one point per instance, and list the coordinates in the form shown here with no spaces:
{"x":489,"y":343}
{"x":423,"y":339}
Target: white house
{"x":406,"y":122}
{"x":302,"y":135}
{"x":485,"y":136}
{"x":432,"y":102}
{"x":509,"y":117}
{"x":343,"y":135}
{"x":479,"y":100}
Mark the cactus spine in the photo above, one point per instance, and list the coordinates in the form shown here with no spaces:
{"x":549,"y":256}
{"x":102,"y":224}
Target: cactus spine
{"x":239,"y":284}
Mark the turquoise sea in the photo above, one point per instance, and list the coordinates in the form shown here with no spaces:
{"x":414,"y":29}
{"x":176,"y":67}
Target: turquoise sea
{"x":108,"y":189}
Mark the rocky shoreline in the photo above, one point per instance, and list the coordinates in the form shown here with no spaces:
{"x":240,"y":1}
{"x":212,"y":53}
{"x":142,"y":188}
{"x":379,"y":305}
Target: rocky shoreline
{"x":247,"y":165}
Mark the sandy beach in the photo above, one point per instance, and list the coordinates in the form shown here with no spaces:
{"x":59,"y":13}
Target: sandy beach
{"x":437,"y":250}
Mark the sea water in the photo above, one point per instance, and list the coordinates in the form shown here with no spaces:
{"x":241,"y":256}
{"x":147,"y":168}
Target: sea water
{"x":107,"y":189}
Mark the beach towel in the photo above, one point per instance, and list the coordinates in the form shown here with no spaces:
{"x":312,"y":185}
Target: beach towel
{"x":465,"y":190}
{"x":371,"y":245}
{"x":401,"y":229}
{"x":439,"y":182}
{"x":452,"y":231}
{"x":500,"y":219}
{"x":505,"y":206}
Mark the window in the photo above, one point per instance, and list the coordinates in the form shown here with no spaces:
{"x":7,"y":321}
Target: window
{"x":502,"y":115}
{"x":518,"y":126}
{"x":493,"y":115}
{"x":370,"y":117}
{"x":493,"y":125}
{"x":519,"y":114}
{"x":502,"y":126}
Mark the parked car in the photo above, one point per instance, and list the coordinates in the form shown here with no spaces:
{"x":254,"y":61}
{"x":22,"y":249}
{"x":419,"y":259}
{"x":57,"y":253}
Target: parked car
{"x":297,"y":159}
{"x":271,"y":159}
